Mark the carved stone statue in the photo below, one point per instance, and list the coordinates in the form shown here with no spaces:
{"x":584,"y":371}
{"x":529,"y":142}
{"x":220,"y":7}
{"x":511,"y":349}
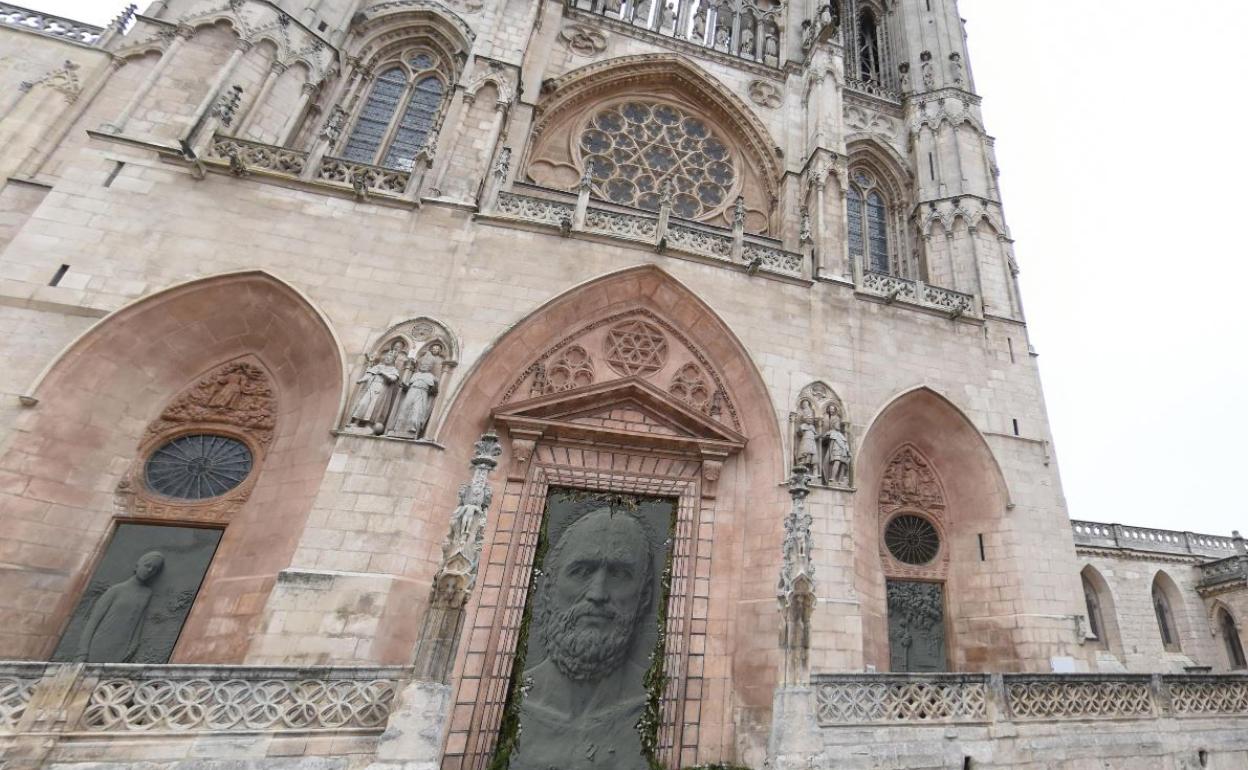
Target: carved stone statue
{"x":835,"y":446}
{"x":587,"y":695}
{"x":956,"y":72}
{"x":929,"y":75}
{"x":420,"y":388}
{"x":806,"y":446}
{"x":378,"y":387}
{"x":115,"y":625}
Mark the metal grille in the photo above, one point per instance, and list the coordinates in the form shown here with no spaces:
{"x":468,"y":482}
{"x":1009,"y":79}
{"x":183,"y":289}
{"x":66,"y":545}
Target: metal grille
{"x":912,"y":539}
{"x":198,"y":466}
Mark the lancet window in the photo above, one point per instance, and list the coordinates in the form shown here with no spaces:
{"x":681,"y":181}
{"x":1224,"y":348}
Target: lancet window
{"x":1165,"y":618}
{"x":866,"y":44}
{"x":401,"y":112}
{"x":746,"y":28}
{"x":1230,"y":636}
{"x":868,"y":222}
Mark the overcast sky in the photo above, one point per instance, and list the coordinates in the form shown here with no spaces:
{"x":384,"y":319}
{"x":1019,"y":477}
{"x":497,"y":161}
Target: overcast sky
{"x":1110,"y":117}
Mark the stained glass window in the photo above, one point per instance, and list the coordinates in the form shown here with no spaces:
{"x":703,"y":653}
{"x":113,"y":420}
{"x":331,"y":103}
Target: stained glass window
{"x":1165,"y":619}
{"x":198,"y":466}
{"x":415,"y":108}
{"x":632,"y":150}
{"x":912,"y":539}
{"x":867,"y":223}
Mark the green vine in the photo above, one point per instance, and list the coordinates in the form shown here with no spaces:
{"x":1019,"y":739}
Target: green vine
{"x":655,"y":680}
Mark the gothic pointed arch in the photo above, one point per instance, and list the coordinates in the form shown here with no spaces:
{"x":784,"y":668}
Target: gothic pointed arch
{"x":1170,"y":612}
{"x":637,"y":123}
{"x":1101,"y":611}
{"x":877,"y":202}
{"x":928,"y":472}
{"x":268,"y":373}
{"x":656,"y":396}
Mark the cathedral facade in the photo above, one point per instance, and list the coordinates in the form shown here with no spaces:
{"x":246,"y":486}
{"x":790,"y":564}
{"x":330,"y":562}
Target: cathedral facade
{"x":533,"y":384}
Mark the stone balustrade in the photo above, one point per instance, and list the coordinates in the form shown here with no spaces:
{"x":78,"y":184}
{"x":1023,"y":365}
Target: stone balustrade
{"x":126,"y":698}
{"x":666,"y":233}
{"x":47,"y":24}
{"x":909,"y":292}
{"x":872,"y":88}
{"x":249,"y":156}
{"x":907,"y":699}
{"x":1096,"y":534}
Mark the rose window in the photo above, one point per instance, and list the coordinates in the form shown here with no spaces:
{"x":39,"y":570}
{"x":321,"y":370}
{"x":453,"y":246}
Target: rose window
{"x":198,"y":466}
{"x":632,"y":150}
{"x":912,"y":539}
{"x":635,"y":347}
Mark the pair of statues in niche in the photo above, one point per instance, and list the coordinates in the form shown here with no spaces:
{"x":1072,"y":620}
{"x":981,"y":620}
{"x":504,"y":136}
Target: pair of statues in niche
{"x":401,"y":382}
{"x":821,"y":437}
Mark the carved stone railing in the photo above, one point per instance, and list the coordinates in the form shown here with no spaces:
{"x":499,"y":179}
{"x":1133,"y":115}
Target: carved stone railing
{"x":896,"y":289}
{"x":257,"y":156}
{"x":872,"y":88}
{"x":1221,"y":573}
{"x":17,"y":685}
{"x":47,"y":24}
{"x":123,"y":698}
{"x":1080,"y":697}
{"x":901,"y":698}
{"x":665,"y":233}
{"x":915,"y":699}
{"x":542,"y":210}
{"x":1097,"y":534}
{"x":375,"y":179}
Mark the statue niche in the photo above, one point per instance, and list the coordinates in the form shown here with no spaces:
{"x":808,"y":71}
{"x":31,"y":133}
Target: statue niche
{"x":402,"y":380}
{"x":821,"y":436}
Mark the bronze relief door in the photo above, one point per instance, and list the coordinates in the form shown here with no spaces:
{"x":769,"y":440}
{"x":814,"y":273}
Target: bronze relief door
{"x":916,"y":626}
{"x":584,"y":692}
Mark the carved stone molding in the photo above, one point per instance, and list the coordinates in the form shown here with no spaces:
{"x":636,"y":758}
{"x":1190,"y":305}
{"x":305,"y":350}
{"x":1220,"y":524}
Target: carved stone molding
{"x":236,"y":400}
{"x":764,"y":93}
{"x":909,"y":481}
{"x":573,"y":369}
{"x":584,"y":40}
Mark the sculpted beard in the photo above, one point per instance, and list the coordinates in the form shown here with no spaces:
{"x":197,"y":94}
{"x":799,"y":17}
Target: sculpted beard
{"x":585,"y":654}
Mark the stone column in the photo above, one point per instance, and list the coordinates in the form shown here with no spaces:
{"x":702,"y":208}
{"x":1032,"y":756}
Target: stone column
{"x":180,"y":36}
{"x":455,"y":578}
{"x":293,"y":123}
{"x":202,"y":114}
{"x":244,"y":121}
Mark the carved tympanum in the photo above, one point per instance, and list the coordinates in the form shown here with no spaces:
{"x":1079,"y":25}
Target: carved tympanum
{"x":909,"y":481}
{"x":237,"y":394}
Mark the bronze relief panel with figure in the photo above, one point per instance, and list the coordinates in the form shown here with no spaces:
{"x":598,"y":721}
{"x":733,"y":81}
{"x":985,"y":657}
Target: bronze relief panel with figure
{"x":916,"y":626}
{"x":139,"y":595}
{"x":592,"y":628}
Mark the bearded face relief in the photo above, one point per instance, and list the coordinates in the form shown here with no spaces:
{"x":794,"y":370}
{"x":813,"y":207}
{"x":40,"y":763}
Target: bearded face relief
{"x":591,"y":633}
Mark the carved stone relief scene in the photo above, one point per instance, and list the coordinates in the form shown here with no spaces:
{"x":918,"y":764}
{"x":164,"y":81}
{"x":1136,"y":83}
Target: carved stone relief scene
{"x":139,"y":595}
{"x":592,"y":632}
{"x":821,"y":436}
{"x":401,"y":382}
{"x":629,"y":344}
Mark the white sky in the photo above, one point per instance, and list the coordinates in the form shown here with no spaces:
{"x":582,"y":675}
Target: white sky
{"x":1134,"y":284}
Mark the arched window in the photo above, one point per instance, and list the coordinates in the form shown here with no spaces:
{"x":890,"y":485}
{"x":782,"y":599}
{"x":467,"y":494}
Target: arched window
{"x":868,"y":47}
{"x":399,"y":114}
{"x":1096,"y":623}
{"x":1230,"y":637}
{"x":1165,"y":618}
{"x":868,"y":223}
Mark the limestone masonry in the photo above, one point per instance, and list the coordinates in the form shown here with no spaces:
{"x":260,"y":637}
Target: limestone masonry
{"x":614,"y":384}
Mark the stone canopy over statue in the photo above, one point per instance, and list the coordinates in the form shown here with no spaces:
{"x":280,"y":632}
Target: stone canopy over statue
{"x":594,"y":618}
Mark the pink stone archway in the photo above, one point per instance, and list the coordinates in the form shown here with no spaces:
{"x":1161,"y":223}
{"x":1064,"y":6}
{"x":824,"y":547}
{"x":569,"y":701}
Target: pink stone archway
{"x":732,"y":508}
{"x":82,"y":435}
{"x":975,"y":502}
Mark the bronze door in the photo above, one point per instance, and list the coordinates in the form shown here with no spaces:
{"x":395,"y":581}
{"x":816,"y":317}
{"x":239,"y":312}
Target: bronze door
{"x":916,"y":626}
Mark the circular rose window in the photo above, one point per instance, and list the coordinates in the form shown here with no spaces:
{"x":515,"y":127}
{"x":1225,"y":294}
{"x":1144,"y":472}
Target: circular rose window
{"x":198,"y":466}
{"x":912,"y":539}
{"x":632,"y":149}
